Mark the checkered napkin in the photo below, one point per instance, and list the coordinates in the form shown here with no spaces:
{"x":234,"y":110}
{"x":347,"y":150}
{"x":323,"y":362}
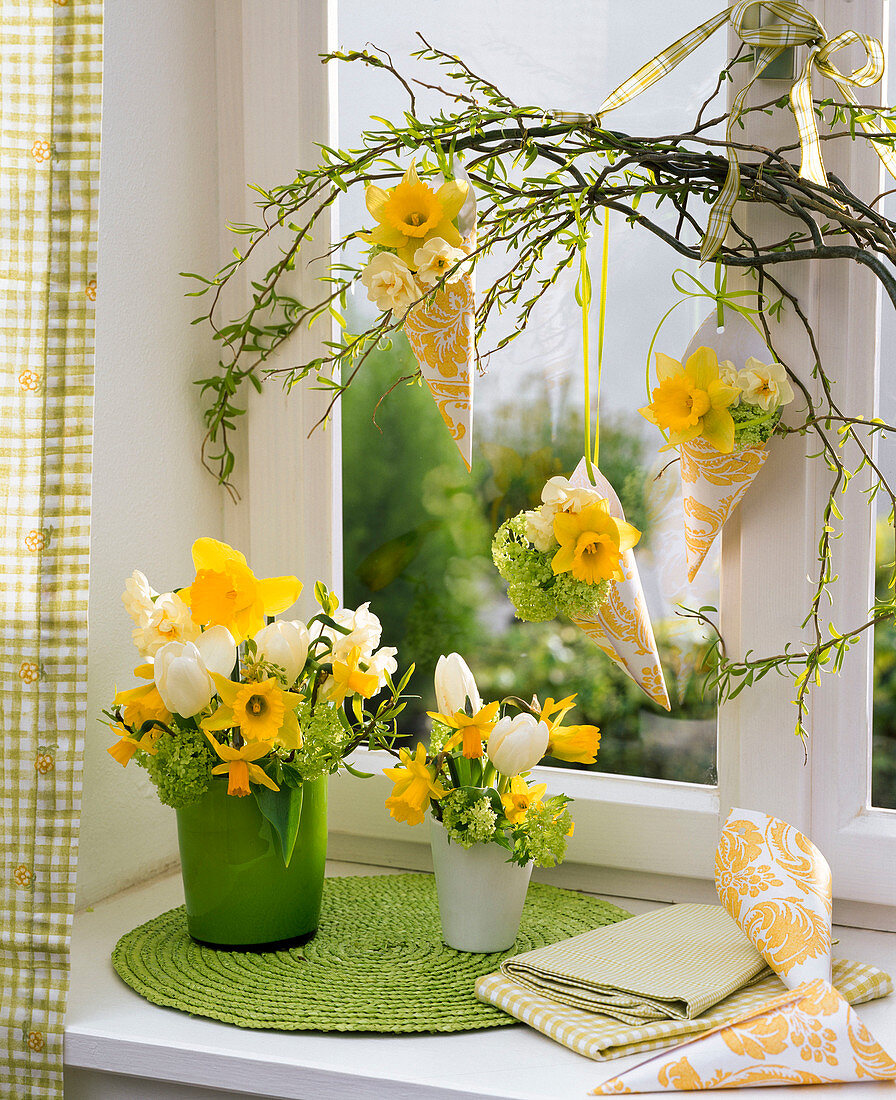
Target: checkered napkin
{"x":670,"y":964}
{"x":600,"y":1037}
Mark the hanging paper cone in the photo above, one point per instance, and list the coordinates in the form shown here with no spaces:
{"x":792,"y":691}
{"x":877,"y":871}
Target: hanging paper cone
{"x":777,"y":886}
{"x":713,"y":483}
{"x":622,"y":627}
{"x":712,"y":486}
{"x":441,"y":335}
{"x":807,"y":1036}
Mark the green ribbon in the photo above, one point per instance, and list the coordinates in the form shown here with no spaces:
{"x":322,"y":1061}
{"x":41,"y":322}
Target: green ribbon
{"x":798,"y":27}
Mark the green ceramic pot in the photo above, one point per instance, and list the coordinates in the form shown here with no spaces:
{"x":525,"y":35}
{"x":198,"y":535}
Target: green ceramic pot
{"x":238,"y":892}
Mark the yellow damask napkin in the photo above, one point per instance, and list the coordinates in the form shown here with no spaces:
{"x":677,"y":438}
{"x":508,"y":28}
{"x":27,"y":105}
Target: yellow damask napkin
{"x":602,"y":1038}
{"x":777,"y":886}
{"x":672,"y":963}
{"x":806,"y":1036}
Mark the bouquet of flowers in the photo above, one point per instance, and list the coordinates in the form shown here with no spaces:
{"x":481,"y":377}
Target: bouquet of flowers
{"x":720,"y":416}
{"x":230,"y":692}
{"x":475,"y":776}
{"x":423,"y":233}
{"x":562,"y":557}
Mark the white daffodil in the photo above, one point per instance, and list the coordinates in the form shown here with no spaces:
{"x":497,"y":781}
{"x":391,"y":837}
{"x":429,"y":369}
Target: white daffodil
{"x":169,"y":621}
{"x":728,"y":374}
{"x":516,"y":744}
{"x":382,"y":662}
{"x":182,"y":670}
{"x":138,"y":597}
{"x":434,"y":259}
{"x":365,"y":631}
{"x":390,"y":283}
{"x":560,"y":496}
{"x":540,"y":527}
{"x":765,"y":385}
{"x":284,"y":643}
{"x":455,"y":685}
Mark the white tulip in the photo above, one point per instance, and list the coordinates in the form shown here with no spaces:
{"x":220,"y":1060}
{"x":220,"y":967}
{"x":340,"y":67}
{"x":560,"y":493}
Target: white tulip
{"x":516,"y":744}
{"x":455,"y":685}
{"x":284,"y":643}
{"x":182,"y":670}
{"x":182,"y":679}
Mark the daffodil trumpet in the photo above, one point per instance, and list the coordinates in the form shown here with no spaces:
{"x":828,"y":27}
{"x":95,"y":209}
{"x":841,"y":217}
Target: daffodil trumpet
{"x":234,"y":696}
{"x":473,"y":776}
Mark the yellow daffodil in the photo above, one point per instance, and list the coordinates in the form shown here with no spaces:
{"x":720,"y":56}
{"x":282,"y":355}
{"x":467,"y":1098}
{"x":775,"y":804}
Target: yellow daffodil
{"x":578,"y":744}
{"x":413,"y":213}
{"x":414,"y":786}
{"x":692,"y":400}
{"x":142,"y":704}
{"x":227,"y":593}
{"x":239,"y":768}
{"x":520,"y":797}
{"x":592,"y":543}
{"x":350,"y":679}
{"x":123,"y":750}
{"x":472,"y":730}
{"x":552,"y":714}
{"x":263,"y":711}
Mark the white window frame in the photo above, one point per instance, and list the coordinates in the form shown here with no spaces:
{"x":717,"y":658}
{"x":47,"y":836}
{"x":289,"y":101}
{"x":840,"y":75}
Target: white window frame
{"x":635,"y":836}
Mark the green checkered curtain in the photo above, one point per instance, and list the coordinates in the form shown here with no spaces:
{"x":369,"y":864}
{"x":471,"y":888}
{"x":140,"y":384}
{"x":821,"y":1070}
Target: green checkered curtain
{"x":50,"y":67}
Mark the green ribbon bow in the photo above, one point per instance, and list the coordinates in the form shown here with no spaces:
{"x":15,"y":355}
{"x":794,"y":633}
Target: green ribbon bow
{"x":798,"y":27}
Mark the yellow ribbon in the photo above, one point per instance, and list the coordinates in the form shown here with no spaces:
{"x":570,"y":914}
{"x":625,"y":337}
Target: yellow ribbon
{"x":799,"y":27}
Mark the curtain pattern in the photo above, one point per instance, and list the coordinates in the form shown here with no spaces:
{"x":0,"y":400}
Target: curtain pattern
{"x":50,"y":68}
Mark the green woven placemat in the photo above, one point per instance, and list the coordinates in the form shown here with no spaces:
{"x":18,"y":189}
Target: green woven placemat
{"x":377,"y":962}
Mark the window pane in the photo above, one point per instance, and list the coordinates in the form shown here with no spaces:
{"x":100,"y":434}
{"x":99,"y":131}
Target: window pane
{"x":418,"y":528}
{"x":883,"y":759}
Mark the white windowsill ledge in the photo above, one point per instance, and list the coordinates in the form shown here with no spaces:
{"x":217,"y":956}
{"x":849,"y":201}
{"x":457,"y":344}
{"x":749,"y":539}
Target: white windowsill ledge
{"x":117,"y":1045}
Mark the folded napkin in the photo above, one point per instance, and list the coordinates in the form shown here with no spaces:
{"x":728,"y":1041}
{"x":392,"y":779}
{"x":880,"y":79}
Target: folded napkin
{"x":670,"y":964}
{"x":602,"y":1038}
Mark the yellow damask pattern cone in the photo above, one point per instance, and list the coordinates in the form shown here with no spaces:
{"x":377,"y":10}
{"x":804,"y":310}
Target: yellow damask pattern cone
{"x":807,"y":1036}
{"x":777,"y":886}
{"x":712,"y":486}
{"x":441,"y":336}
{"x":622,"y":627}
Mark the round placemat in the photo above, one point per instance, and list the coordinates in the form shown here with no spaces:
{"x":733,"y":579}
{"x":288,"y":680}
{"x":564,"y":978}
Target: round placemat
{"x":377,"y":962}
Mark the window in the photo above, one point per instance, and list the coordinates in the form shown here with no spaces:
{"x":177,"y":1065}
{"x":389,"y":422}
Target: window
{"x":627,"y":826}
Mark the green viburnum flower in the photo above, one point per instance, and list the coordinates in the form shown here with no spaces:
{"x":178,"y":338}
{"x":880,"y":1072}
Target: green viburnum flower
{"x":542,"y":836}
{"x":324,"y":739}
{"x":468,"y":819}
{"x":752,"y":435}
{"x":181,"y":767}
{"x":535,"y":591}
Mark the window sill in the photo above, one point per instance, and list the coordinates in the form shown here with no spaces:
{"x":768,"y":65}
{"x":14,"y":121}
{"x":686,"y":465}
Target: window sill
{"x":116,"y":1042}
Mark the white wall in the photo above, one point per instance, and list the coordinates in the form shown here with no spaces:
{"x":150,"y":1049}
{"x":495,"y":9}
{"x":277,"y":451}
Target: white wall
{"x":151,"y":497}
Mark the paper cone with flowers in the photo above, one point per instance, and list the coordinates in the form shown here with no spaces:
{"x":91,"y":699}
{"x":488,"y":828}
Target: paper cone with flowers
{"x":718,"y":406}
{"x":573,"y":556}
{"x":425,"y":229}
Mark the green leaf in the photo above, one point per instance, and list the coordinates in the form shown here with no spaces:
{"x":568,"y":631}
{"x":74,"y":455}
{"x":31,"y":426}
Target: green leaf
{"x":389,"y":560}
{"x":283,"y":809}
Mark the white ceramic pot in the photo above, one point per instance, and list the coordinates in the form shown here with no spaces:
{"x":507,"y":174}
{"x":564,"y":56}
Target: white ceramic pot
{"x":481,"y":895}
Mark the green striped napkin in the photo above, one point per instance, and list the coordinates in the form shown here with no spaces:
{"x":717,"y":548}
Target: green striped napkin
{"x":602,"y":1038}
{"x":671,"y":964}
